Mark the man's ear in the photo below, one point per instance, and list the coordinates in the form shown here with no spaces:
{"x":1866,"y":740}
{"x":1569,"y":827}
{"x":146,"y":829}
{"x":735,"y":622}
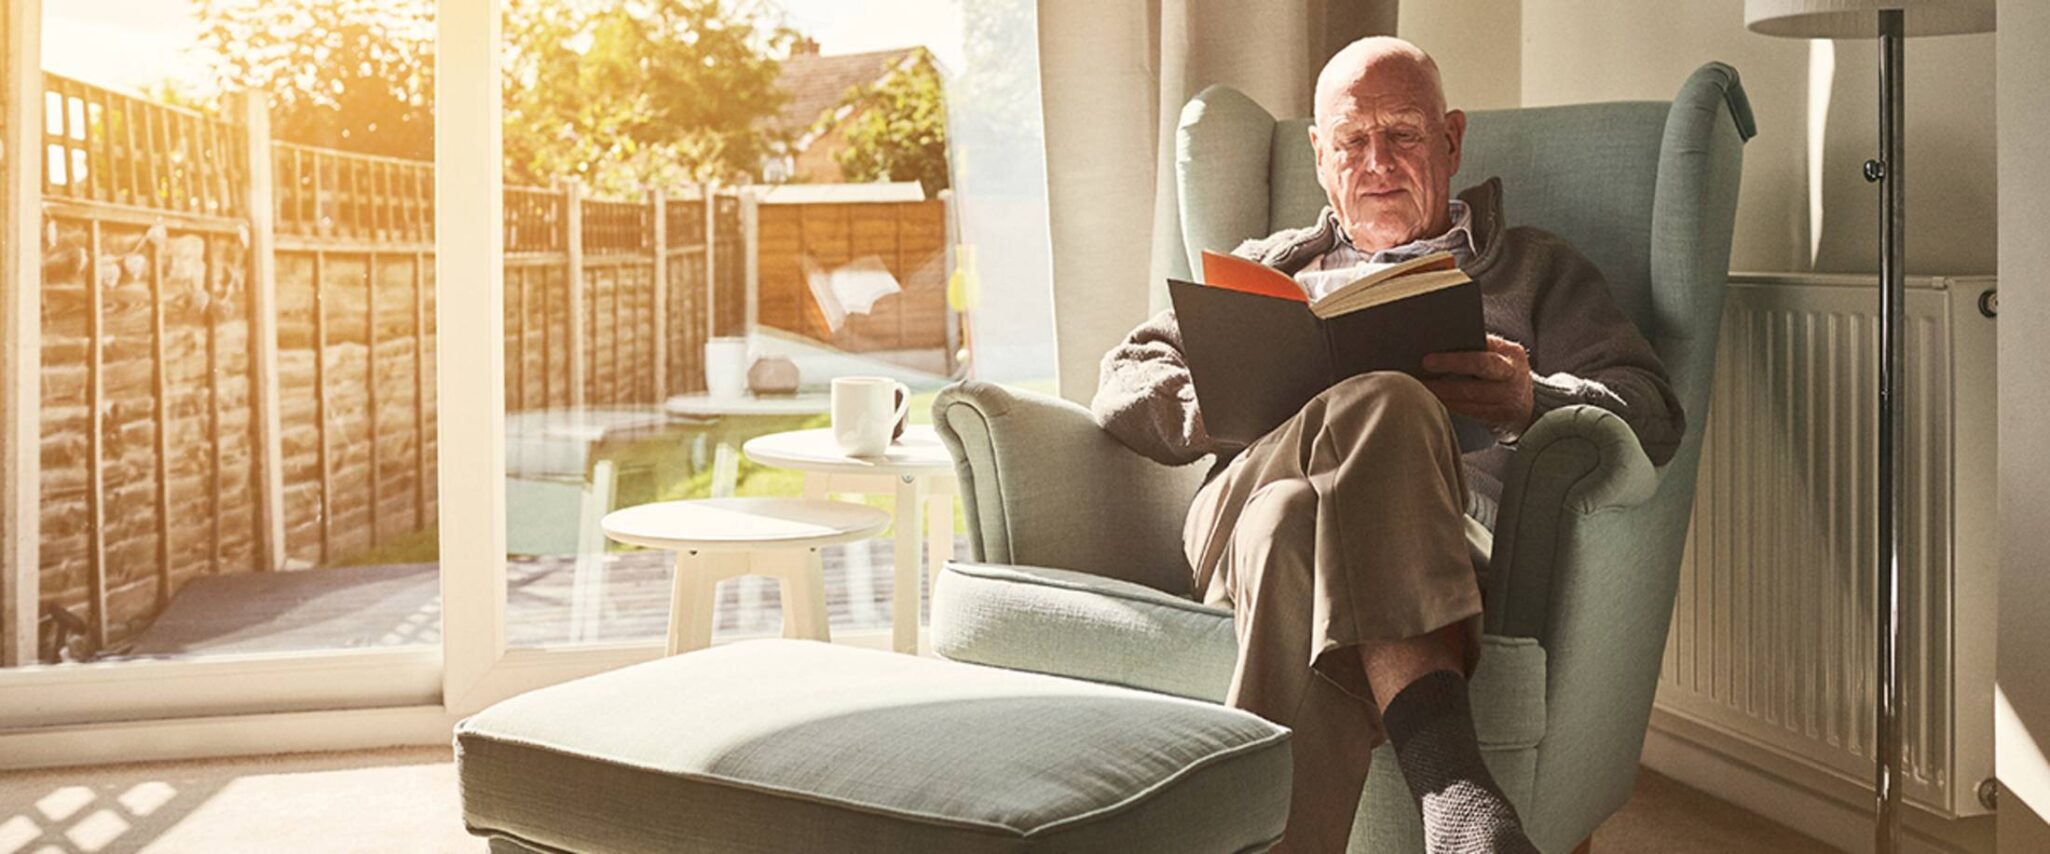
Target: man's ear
{"x":1455,"y":133}
{"x":1316,"y":149}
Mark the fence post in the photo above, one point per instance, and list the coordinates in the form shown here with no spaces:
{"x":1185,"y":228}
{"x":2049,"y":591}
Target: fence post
{"x":574,"y":244}
{"x":263,"y":316}
{"x":711,"y":189}
{"x":661,"y":244}
{"x":750,"y":251}
{"x":21,"y":319}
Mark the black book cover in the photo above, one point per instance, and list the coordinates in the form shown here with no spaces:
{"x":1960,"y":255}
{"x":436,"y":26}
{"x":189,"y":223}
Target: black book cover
{"x":1257,"y":359}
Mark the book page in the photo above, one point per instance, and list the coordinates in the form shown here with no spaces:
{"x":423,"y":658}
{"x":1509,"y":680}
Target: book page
{"x":1252,"y":277}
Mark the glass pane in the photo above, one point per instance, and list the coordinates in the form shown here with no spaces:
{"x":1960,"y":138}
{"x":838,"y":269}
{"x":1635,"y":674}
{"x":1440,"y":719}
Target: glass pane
{"x":713,"y":211}
{"x":238,"y":423}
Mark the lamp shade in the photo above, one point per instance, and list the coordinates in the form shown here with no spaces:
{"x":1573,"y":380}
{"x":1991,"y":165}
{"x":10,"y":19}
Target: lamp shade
{"x":1859,"y":19}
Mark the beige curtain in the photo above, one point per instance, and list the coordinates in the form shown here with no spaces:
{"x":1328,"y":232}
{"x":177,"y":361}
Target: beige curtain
{"x":1113,"y":78}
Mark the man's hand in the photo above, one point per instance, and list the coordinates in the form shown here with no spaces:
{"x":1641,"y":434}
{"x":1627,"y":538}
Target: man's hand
{"x":1492,"y":386}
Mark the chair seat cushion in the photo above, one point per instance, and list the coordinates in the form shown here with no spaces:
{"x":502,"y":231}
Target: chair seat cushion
{"x":1105,"y":630}
{"x":793,"y":745}
{"x":1082,"y":625}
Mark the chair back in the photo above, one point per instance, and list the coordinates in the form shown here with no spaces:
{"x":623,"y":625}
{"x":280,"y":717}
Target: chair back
{"x":1595,"y":174}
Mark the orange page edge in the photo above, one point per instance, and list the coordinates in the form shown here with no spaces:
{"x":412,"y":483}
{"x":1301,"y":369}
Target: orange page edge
{"x":1252,"y":277}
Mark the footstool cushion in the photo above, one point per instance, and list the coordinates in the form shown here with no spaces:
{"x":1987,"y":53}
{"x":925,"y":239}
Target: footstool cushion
{"x":784,"y":745}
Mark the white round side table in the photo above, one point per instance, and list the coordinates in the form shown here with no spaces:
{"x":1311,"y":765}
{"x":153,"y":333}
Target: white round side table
{"x":720,"y":538}
{"x":916,"y":469}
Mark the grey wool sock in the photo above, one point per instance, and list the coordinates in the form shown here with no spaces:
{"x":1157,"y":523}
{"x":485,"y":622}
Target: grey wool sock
{"x":1431,"y":727}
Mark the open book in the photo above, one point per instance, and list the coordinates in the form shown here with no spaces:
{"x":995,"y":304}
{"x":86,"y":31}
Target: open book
{"x":1258,"y":348}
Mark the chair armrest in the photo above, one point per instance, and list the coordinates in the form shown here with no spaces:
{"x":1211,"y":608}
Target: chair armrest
{"x":1043,"y":485}
{"x":1575,"y":465}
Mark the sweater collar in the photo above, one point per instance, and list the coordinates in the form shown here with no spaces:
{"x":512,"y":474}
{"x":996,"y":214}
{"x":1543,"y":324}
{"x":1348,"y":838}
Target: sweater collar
{"x":1484,"y":229}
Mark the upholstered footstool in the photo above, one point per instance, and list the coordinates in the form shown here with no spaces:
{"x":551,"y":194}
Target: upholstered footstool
{"x":788,"y":745}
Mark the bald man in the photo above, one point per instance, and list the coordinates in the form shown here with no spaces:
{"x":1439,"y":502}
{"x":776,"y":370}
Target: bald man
{"x":1348,"y":541}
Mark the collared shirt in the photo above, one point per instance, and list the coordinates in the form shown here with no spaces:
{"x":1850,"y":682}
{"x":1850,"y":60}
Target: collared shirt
{"x":1337,"y":267}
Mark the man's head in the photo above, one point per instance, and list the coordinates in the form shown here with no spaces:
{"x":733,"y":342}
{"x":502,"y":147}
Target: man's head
{"x":1386,"y":146}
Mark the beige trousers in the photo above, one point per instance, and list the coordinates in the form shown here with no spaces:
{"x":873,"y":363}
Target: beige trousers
{"x":1345,"y":525}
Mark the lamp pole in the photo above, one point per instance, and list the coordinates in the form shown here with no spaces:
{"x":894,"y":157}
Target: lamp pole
{"x":1892,"y":296}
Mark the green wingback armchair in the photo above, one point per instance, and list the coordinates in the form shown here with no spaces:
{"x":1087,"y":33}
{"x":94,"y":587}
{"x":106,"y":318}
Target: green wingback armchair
{"x":1077,"y":566}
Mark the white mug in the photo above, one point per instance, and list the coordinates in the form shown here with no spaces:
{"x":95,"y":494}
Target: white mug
{"x":865,"y":413}
{"x":726,"y":367}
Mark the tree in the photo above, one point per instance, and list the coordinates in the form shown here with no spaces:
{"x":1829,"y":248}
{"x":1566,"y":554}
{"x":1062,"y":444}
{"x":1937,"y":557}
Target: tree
{"x":357,"y":75}
{"x":619,"y":94}
{"x":637,"y":93}
{"x":899,"y":128}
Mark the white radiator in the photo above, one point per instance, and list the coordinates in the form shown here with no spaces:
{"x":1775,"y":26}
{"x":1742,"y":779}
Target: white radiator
{"x":1773,"y":642}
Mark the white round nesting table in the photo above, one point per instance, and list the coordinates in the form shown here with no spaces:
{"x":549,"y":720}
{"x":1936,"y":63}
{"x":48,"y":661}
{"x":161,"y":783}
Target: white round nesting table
{"x":916,"y":469}
{"x":720,"y":538}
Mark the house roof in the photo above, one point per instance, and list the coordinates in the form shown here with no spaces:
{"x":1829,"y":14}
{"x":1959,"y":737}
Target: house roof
{"x":819,"y":83}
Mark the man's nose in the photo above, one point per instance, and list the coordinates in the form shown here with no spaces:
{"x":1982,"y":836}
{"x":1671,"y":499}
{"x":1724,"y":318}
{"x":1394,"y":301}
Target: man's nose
{"x":1375,"y":156}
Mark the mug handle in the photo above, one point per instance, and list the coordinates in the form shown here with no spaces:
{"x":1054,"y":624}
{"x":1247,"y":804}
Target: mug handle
{"x":903,"y":408}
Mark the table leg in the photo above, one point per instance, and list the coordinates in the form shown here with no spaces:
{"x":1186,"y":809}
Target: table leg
{"x":692,"y":592}
{"x":904,"y":601}
{"x":587,"y":590}
{"x":725,"y":470}
{"x":804,"y":594}
{"x":939,"y":535}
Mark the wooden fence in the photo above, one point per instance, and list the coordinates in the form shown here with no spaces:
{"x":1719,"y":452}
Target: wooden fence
{"x":238,"y":335}
{"x":159,"y":461}
{"x":148,"y":467}
{"x":909,"y":238}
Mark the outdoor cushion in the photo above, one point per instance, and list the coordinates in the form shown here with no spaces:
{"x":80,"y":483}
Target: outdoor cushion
{"x":782,"y":745}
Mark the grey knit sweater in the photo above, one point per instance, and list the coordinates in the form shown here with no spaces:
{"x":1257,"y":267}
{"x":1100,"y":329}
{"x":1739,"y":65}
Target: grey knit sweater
{"x":1536,"y":290}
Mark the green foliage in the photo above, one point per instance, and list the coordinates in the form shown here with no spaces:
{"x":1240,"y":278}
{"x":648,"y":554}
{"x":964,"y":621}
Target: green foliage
{"x":351,"y":74}
{"x":622,"y":95}
{"x":899,"y":129}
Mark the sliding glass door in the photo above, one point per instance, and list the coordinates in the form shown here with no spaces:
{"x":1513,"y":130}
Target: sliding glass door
{"x":334,"y":328}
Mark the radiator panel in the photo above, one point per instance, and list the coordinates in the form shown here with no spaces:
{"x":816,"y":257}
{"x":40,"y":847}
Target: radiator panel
{"x":1774,"y":631}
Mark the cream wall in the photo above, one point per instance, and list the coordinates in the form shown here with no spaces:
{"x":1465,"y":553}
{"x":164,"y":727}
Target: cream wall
{"x":1588,"y":50}
{"x":1478,"y":45}
{"x":2022,"y":672}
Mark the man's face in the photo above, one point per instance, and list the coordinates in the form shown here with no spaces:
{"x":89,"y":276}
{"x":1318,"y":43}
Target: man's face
{"x":1386,"y":151}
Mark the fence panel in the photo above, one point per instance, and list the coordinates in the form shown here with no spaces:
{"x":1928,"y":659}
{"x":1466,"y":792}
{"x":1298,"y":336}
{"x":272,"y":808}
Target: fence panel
{"x":147,"y":394}
{"x":619,"y":321}
{"x":799,"y":241}
{"x":355,"y":248}
{"x":146,"y":375}
{"x":728,"y":266}
{"x":684,"y":242}
{"x":536,"y":299}
{"x":102,"y":146}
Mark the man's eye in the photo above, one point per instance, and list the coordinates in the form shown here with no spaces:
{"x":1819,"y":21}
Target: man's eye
{"x":1406,"y":138}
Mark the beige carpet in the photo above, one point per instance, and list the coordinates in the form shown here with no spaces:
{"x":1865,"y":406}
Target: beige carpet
{"x":404,"y":800}
{"x":399,"y":800}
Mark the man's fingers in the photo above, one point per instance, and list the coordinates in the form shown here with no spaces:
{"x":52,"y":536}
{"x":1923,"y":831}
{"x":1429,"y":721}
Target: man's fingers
{"x":1483,"y":365}
{"x":1466,"y":391}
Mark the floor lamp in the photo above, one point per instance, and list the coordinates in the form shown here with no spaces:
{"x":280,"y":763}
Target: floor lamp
{"x":1891,"y":21}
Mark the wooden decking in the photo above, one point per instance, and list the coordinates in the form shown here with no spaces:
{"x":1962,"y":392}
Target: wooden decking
{"x":358,"y":607}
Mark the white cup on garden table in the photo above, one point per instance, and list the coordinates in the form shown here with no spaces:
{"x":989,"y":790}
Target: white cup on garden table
{"x":866,"y":411}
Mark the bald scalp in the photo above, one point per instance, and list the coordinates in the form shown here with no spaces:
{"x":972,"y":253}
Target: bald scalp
{"x":1395,"y":63}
